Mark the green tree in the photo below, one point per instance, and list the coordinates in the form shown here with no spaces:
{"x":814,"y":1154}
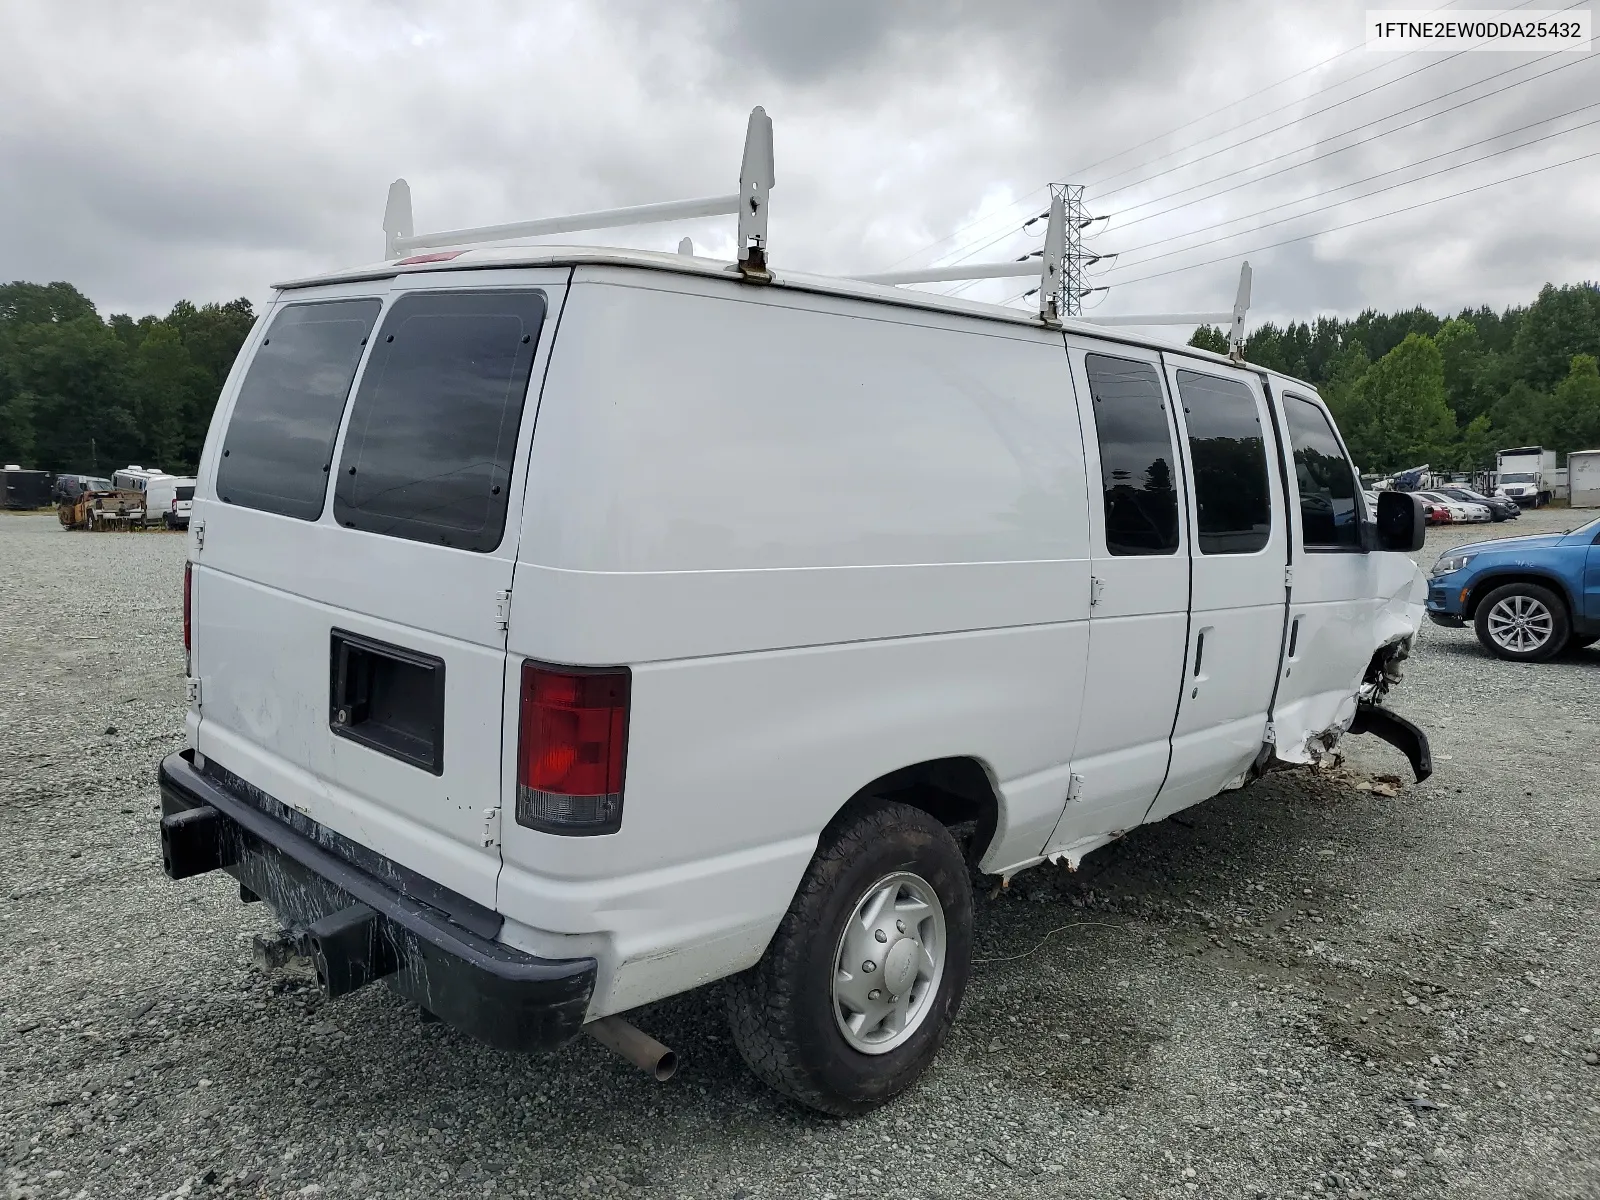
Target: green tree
{"x":1209,"y":337}
{"x":1562,"y":322}
{"x":1468,"y":369}
{"x":42,"y":304}
{"x":1574,"y":410}
{"x":1402,"y":397}
{"x":1475,"y":448}
{"x":165,"y":386}
{"x":75,"y":374}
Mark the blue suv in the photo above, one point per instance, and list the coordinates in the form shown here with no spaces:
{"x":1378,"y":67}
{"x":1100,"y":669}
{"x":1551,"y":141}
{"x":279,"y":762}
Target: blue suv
{"x":1528,"y":597}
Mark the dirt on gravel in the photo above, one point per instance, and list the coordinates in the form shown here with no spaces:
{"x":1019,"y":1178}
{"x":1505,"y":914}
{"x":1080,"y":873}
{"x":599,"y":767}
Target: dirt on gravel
{"x":1304,"y":988}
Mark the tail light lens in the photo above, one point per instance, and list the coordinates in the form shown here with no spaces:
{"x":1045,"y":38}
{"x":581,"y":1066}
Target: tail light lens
{"x":571,"y":749}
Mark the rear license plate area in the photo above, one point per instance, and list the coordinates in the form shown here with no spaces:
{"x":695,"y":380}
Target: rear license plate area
{"x":388,"y":698}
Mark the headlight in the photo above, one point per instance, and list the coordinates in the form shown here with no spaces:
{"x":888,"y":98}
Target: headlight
{"x":1448,"y":564}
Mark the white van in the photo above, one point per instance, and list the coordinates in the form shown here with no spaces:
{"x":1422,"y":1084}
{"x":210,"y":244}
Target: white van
{"x":168,"y":498}
{"x":570,"y":628}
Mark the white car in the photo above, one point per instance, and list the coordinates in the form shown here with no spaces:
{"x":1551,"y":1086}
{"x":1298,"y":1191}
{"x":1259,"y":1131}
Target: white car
{"x":1461,"y":511}
{"x":801,"y":597}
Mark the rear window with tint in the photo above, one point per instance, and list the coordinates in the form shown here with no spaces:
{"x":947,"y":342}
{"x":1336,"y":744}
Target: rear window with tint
{"x":1229,"y":453}
{"x":1136,"y":455}
{"x":185,"y":493}
{"x":276,"y":453}
{"x":433,"y":428}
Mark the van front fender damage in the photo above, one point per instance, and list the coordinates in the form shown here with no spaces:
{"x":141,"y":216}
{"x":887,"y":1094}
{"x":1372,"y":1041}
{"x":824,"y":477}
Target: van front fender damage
{"x":1308,"y":732}
{"x":1399,"y":733}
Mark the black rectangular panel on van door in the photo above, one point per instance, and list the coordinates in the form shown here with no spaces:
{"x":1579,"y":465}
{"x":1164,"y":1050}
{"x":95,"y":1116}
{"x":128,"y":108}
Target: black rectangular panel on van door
{"x":388,"y":698}
{"x":277,"y":450}
{"x":433,"y":429}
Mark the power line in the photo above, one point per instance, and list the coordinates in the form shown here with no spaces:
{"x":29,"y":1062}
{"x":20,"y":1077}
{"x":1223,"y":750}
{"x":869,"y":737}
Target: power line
{"x":1287,"y":124}
{"x":1233,"y":256}
{"x":984,"y":220}
{"x":1305,"y":117}
{"x":1377,"y":192}
{"x":1005,"y":233}
{"x":1572,"y":62}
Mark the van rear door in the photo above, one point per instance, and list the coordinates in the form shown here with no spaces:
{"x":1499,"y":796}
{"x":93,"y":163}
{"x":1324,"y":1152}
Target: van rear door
{"x":349,"y":639}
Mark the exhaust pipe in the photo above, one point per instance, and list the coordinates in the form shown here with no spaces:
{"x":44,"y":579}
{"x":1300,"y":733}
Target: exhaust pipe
{"x":635,"y":1045}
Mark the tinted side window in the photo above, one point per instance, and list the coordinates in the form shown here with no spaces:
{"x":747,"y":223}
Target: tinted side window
{"x":1232,"y":501}
{"x":280,"y":437}
{"x":1327,"y":482}
{"x":1136,"y":456}
{"x":434,"y":423}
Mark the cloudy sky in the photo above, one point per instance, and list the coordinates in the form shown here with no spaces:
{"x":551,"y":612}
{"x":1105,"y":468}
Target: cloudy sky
{"x":156,"y":150}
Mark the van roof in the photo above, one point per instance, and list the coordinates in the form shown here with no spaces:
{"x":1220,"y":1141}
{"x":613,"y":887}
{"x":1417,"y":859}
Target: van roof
{"x":492,"y":257}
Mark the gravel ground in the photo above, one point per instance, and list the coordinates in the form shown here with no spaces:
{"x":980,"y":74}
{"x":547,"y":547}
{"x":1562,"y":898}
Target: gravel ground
{"x":1300,"y":989}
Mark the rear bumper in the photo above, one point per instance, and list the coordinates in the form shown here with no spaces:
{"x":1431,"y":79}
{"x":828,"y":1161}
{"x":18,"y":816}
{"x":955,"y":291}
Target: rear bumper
{"x":358,"y":927}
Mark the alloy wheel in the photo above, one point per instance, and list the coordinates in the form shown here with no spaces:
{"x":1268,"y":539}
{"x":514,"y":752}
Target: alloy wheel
{"x":1520,"y":624}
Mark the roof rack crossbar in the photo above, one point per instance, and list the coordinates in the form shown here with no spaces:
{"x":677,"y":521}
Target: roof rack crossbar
{"x":606,"y":218}
{"x":998,"y":270}
{"x":750,"y":203}
{"x":1162,"y":319}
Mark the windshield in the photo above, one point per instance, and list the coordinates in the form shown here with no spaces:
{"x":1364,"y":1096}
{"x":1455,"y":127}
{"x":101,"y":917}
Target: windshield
{"x":1466,"y":494}
{"x":1517,"y":477}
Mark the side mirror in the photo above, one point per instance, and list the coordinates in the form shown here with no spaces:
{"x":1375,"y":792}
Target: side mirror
{"x":1402,"y":523}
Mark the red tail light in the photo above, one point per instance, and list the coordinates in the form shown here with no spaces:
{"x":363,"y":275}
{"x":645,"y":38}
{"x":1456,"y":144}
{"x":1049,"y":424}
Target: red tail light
{"x":188,"y":589}
{"x":571,"y":749}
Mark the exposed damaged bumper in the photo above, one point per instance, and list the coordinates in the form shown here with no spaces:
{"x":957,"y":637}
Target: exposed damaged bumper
{"x":1399,"y":733}
{"x":360,"y":918}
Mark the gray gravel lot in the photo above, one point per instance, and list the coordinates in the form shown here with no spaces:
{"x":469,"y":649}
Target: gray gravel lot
{"x":1299,"y":989}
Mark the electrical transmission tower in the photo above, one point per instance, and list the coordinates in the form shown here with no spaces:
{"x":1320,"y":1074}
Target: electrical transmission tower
{"x":1075,"y":260}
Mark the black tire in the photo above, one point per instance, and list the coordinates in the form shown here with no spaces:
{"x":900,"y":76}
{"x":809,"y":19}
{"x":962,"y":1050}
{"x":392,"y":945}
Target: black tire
{"x":1560,"y":623}
{"x":782,"y":1010}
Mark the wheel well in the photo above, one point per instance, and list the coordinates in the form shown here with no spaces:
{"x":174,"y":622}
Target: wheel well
{"x":1483,"y":587}
{"x":957,"y":792}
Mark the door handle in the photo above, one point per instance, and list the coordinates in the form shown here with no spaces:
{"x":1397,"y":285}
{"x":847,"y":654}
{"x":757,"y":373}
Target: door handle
{"x":1199,"y":652}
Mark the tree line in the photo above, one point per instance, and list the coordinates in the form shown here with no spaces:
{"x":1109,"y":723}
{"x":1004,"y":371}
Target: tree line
{"x":1411,"y":387}
{"x":82,"y":394}
{"x":85,"y":395}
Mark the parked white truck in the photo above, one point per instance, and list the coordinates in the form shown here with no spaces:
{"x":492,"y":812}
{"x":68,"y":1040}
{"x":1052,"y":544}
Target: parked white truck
{"x":1527,"y":475}
{"x":568,"y":628}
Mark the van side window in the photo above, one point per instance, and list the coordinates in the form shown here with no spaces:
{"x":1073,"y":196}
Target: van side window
{"x":428,"y":454}
{"x":1329,"y":517}
{"x":280,"y":437}
{"x":1136,"y":455}
{"x":1232,"y":500}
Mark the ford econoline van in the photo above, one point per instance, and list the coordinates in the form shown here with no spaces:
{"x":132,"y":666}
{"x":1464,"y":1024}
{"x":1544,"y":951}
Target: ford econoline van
{"x":571,"y":628}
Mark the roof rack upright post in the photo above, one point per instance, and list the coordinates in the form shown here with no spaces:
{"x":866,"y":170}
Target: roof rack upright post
{"x":1052,"y":259}
{"x":396,"y":217}
{"x":1241,"y":305}
{"x":755,"y":189}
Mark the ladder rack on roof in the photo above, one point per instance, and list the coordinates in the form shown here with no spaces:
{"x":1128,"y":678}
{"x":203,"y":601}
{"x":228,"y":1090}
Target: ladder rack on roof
{"x":750,"y":203}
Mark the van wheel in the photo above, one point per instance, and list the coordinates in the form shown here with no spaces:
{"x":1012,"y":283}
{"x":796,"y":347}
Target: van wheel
{"x":1523,"y":622}
{"x":859,"y":986}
